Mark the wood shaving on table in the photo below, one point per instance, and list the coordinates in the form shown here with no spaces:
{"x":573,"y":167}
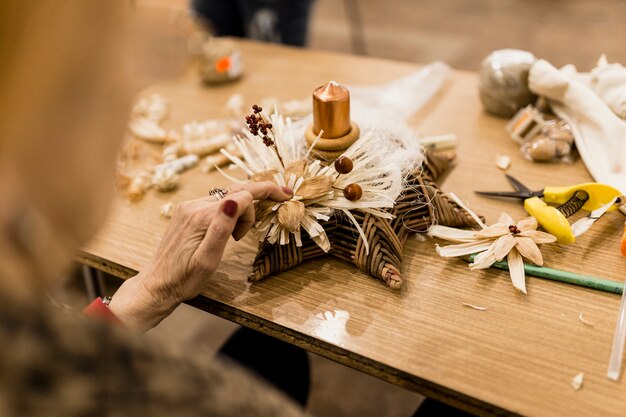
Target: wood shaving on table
{"x":421,"y":237}
{"x":194,"y":131}
{"x":212,"y":162}
{"x":577,"y":381}
{"x":475,"y":307}
{"x":154,"y":108}
{"x":208,"y":145}
{"x":146,"y":118}
{"x":584,"y":320}
{"x":167,"y":210}
{"x":172,"y":151}
{"x":153,"y":157}
{"x":138,"y":186}
{"x":234,"y":105}
{"x":179,"y":165}
{"x":148,"y":130}
{"x":503,"y":162}
{"x":165,"y":180}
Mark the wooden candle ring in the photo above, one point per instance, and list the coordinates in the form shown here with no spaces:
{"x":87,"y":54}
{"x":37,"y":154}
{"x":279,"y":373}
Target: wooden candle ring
{"x":337,"y":144}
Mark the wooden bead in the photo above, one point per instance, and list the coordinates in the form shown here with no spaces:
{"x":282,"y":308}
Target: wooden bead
{"x":353,"y":192}
{"x":343,"y":165}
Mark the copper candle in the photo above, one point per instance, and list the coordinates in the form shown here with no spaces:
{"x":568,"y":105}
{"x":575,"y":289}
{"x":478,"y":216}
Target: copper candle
{"x":331,"y":110}
{"x":331,"y":118}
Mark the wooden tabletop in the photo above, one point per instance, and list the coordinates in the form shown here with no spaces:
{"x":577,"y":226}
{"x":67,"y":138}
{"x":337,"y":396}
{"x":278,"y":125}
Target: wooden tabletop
{"x":518,"y":356}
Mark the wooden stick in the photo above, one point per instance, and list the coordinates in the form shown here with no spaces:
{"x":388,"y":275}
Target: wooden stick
{"x":588,"y":281}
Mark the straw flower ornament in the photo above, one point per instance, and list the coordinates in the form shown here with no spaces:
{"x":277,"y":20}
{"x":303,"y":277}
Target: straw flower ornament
{"x":506,"y":238}
{"x":272,"y":149}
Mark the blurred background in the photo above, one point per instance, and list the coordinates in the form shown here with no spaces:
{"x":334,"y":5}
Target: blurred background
{"x":463,"y":32}
{"x":458,"y":32}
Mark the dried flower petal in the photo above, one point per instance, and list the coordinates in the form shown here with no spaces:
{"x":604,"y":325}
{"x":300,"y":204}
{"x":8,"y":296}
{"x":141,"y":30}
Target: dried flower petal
{"x":262,"y":208}
{"x":484,"y":259}
{"x":529,"y":223}
{"x":538,"y":237}
{"x":529,"y":250}
{"x":297,"y":168}
{"x":315,"y":187}
{"x":263,"y":176}
{"x":495,"y":230}
{"x":452,"y":234}
{"x":290,"y":215}
{"x":516,"y":269}
{"x":503,"y":245}
{"x":505,"y":219}
{"x":463,"y":248}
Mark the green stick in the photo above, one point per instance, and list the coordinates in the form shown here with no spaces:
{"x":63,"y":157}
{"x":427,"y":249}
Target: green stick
{"x":563,"y":276}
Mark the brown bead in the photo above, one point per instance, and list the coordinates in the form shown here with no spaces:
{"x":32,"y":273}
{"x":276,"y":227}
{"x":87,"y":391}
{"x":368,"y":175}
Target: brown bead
{"x":343,"y":165}
{"x":353,"y":192}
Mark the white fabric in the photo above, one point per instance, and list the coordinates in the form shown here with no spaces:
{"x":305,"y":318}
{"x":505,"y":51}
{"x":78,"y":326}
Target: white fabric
{"x":399,"y":99}
{"x":600,"y":135}
{"x":608,"y":81}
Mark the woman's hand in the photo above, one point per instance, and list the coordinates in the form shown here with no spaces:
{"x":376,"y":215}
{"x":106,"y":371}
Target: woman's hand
{"x":189,"y":253}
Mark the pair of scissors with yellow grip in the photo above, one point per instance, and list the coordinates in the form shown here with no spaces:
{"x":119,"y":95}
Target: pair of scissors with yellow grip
{"x":588,"y":196}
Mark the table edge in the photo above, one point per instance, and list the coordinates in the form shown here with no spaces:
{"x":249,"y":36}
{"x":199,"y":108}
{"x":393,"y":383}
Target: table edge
{"x":327,"y":350}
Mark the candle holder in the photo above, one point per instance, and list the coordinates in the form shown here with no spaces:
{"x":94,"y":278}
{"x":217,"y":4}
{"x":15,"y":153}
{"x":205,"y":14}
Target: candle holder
{"x":358,"y":194}
{"x":332,"y":131}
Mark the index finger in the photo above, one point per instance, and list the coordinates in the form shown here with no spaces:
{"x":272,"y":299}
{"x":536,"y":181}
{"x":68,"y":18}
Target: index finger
{"x":264,"y":190}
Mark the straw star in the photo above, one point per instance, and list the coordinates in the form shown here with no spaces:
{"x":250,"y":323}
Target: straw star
{"x":360,"y":211}
{"x":412,"y":212}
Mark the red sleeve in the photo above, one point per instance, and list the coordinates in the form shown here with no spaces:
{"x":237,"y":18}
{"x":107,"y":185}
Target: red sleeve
{"x":98,"y":310}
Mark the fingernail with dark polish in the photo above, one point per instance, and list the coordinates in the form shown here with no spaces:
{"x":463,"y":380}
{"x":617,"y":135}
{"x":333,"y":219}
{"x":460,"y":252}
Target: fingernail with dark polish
{"x":287,"y":190}
{"x":229,"y":208}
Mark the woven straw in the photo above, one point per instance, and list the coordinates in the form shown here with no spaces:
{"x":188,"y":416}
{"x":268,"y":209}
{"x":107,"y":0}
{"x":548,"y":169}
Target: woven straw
{"x":422,"y":204}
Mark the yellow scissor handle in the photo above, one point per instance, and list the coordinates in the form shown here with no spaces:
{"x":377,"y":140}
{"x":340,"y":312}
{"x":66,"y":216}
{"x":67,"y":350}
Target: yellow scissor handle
{"x":599,"y":194}
{"x":552,"y":220}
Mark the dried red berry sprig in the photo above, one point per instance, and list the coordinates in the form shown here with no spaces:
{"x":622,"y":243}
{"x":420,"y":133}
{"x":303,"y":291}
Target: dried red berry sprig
{"x":259,"y":126}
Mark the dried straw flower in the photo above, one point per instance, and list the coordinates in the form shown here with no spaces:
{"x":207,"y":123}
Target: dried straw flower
{"x":284,"y":159}
{"x":493,"y":243}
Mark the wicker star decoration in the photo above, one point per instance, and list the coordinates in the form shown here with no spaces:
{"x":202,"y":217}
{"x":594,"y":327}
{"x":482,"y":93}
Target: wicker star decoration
{"x":359,"y":207}
{"x":386,"y":237}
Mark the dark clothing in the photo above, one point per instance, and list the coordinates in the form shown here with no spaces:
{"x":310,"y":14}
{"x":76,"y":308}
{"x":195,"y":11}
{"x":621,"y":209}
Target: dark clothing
{"x":57,"y":363}
{"x":278,"y":21}
{"x":283,"y":365}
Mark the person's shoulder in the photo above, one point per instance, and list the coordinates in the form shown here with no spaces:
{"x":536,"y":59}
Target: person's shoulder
{"x":59,"y":363}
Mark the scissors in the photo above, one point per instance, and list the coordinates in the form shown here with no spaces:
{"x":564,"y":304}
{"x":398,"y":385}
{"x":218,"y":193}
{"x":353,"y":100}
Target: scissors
{"x":588,"y":196}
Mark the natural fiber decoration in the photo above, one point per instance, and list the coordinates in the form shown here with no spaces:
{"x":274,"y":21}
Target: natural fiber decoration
{"x":419,"y":207}
{"x":279,"y":154}
{"x":360,"y":209}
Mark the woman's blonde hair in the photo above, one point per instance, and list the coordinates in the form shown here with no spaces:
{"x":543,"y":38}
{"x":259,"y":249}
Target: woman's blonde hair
{"x":63,"y":101}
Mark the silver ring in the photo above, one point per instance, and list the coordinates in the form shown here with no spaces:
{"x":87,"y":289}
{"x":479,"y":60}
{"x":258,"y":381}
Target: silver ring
{"x":218,"y":193}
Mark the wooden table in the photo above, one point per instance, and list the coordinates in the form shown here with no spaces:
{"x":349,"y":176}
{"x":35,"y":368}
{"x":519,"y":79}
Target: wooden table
{"x":518,"y":356}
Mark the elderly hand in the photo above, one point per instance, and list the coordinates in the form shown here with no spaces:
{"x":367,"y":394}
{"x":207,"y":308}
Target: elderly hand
{"x":189,"y":253}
